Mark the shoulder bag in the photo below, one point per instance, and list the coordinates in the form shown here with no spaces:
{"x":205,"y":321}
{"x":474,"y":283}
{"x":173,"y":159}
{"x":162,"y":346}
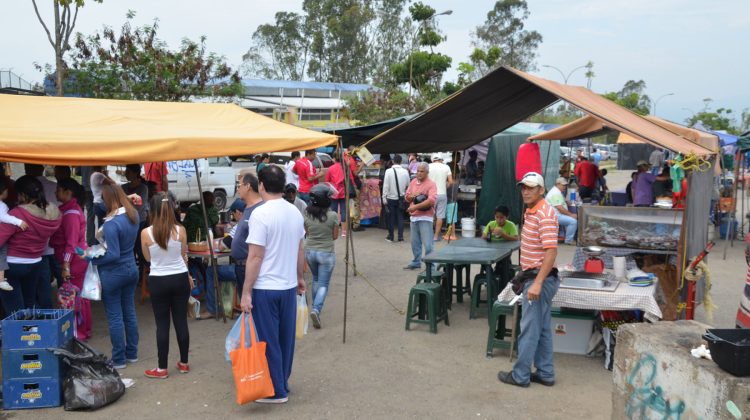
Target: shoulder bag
{"x":402,"y":204}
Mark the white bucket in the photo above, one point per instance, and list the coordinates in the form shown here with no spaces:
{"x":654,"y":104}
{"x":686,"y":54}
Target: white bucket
{"x":468,"y":227}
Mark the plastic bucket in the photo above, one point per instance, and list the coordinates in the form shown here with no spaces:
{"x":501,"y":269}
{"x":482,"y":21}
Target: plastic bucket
{"x":468,"y":227}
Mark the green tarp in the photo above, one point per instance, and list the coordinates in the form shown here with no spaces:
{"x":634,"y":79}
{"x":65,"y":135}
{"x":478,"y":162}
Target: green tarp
{"x":499,"y":181}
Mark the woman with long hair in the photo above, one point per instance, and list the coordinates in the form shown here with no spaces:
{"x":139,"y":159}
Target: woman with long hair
{"x":119,"y":274}
{"x":322,"y":227}
{"x":27,"y":273}
{"x":164,"y":244}
{"x":72,"y":235}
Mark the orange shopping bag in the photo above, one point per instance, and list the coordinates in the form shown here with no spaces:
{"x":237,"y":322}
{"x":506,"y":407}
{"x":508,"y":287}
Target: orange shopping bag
{"x":250,"y":368}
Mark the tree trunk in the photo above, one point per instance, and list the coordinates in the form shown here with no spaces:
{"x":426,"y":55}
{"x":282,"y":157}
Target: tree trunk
{"x":59,"y":73}
{"x":58,"y":51}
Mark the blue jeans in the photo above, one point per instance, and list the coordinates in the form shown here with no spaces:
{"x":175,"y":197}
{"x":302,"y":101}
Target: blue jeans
{"x":226,"y":273}
{"x":395,"y":219}
{"x":421,"y":234}
{"x":43,"y":286}
{"x":339,"y":206}
{"x":239,"y":274}
{"x":570,"y":224}
{"x":118,"y":295}
{"x":321,"y":265}
{"x":275,"y":316}
{"x":24,"y":278}
{"x":535,"y":341}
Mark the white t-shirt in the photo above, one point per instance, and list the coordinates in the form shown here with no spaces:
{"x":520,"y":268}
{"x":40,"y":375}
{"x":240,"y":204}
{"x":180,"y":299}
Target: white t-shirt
{"x":555,"y":198}
{"x":97,"y":180}
{"x":278,"y":227}
{"x":439,"y":173}
{"x":291,"y":177}
{"x":50,"y":189}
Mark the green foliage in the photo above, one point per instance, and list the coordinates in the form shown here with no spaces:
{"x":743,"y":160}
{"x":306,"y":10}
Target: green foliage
{"x":423,"y":69}
{"x":285,"y":45}
{"x":375,"y":106}
{"x":136,"y":64}
{"x":421,"y":12}
{"x":504,"y":30}
{"x":719,"y":120}
{"x":562,"y":114}
{"x":632,"y":96}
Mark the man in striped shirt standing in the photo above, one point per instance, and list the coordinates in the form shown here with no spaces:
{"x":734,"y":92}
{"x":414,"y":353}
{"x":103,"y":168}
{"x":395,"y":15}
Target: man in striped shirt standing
{"x":538,"y":253}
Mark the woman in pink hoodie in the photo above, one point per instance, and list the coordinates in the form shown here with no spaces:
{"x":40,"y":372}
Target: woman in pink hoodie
{"x":72,"y":234}
{"x":25,"y":247}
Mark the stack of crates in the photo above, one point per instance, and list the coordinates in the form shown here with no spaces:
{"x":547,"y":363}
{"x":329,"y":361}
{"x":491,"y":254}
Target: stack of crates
{"x":33,"y":375}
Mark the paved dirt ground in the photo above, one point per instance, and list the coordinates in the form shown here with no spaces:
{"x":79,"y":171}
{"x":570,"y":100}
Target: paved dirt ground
{"x":382,"y":371}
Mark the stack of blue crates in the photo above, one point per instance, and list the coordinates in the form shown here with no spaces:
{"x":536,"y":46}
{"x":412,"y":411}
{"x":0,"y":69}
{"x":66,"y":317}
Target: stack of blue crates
{"x":33,"y":375}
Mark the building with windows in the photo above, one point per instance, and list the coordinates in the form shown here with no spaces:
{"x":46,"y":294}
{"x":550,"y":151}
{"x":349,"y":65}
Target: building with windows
{"x":314,"y":105}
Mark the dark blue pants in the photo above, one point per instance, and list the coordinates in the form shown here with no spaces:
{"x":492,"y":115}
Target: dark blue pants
{"x":239,"y":274}
{"x":275,"y":316}
{"x":118,"y":295}
{"x":24,"y":278}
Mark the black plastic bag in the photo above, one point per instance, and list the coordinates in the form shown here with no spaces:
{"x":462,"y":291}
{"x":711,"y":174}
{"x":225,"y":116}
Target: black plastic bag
{"x":90,"y":382}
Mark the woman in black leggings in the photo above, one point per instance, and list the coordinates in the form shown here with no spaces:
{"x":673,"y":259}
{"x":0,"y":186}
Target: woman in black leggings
{"x":165,"y":246}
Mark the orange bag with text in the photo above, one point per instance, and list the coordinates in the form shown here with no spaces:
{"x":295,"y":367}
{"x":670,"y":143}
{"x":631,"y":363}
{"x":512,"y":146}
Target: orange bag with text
{"x":250,"y":368}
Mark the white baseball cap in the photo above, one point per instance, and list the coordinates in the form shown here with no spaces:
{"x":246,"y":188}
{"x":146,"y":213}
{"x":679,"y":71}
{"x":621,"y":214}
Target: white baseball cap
{"x":436,"y":157}
{"x":562,"y":181}
{"x":532,"y":179}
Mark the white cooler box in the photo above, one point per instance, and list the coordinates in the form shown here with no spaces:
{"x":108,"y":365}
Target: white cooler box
{"x":571,"y":331}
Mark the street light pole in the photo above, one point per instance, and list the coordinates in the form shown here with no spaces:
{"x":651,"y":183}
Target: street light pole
{"x":659,"y":99}
{"x":565,"y":78}
{"x":413,"y":44}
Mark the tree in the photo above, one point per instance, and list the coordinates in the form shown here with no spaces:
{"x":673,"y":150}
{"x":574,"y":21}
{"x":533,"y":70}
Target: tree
{"x":589,"y":73}
{"x":374,"y":106}
{"x":720,"y":120}
{"x":136,"y":64}
{"x":64,"y":23}
{"x":632,"y":96}
{"x":504,"y":29}
{"x":745,"y":121}
{"x":280,"y":50}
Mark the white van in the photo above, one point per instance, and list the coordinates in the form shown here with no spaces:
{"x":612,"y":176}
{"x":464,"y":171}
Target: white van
{"x":217,"y":176}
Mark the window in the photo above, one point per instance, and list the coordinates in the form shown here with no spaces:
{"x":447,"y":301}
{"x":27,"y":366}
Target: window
{"x":219,"y":161}
{"x":316,"y":115}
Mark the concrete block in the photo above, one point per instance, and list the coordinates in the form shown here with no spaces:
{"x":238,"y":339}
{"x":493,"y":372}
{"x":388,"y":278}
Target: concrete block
{"x":655,"y":377}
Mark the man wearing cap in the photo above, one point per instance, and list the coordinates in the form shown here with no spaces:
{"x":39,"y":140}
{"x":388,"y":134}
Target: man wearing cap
{"x":248,"y":192}
{"x":440,"y":174}
{"x":538,"y":253}
{"x":643,"y":193}
{"x":290,"y":195}
{"x":566,"y":219}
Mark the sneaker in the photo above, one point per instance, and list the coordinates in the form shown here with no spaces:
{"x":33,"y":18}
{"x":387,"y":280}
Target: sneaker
{"x":157,"y":373}
{"x":389,"y":240}
{"x":401,"y":239}
{"x":132,"y":360}
{"x":4,"y":285}
{"x":412,"y":267}
{"x":183,"y":367}
{"x":538,"y":379}
{"x":120,"y":367}
{"x":273,"y":400}
{"x":507,"y":378}
{"x":315,"y":319}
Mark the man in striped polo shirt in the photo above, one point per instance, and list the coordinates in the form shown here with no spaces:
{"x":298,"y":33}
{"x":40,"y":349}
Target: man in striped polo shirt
{"x":538,"y":253}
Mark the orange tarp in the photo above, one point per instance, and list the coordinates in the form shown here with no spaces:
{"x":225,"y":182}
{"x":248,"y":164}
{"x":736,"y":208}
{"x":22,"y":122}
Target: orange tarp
{"x":77,"y":131}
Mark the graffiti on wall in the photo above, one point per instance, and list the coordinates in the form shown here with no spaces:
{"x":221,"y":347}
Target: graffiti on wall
{"x":647,"y":399}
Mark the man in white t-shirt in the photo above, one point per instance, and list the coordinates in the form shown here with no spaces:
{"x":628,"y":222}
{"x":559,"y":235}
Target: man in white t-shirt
{"x":273,"y":277}
{"x":440,"y":174}
{"x":565,"y":218}
{"x":291,"y":177}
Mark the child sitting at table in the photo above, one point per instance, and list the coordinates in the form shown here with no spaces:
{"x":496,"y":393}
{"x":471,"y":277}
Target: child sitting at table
{"x":500,"y":229}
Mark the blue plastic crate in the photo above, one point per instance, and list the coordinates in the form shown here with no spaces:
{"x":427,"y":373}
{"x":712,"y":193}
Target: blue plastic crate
{"x":31,"y":363}
{"x":31,"y":393}
{"x":44,"y":328}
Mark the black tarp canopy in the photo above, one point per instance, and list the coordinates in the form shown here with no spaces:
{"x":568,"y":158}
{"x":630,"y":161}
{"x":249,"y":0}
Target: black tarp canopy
{"x":357,"y":135}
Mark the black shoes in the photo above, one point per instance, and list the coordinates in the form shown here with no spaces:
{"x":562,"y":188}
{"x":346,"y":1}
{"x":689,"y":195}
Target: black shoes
{"x":507,"y":378}
{"x":536,"y":378}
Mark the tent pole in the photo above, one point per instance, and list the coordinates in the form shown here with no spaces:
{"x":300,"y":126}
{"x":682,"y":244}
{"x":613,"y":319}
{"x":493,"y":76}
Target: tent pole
{"x":212,"y":260}
{"x":347,"y":181}
{"x":742,"y":213}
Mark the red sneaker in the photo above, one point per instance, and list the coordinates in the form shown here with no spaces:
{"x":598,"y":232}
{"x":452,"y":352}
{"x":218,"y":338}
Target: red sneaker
{"x":183,"y":367}
{"x":157,"y":374}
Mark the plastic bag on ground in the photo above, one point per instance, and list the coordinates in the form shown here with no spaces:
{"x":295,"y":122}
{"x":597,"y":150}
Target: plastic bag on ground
{"x":302,"y":315}
{"x":233,"y":338}
{"x":90,"y":382}
{"x":92,"y":286}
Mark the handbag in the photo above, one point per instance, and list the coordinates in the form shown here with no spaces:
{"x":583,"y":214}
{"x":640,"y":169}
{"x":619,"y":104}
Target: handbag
{"x":92,"y":286}
{"x":402,"y":204}
{"x":252,"y":379}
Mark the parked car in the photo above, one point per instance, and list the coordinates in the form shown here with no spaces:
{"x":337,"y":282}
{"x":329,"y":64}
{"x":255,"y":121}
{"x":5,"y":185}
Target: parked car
{"x":217,"y":175}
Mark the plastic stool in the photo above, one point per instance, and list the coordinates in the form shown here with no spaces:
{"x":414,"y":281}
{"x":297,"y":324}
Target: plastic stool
{"x":431,"y":295}
{"x":480,"y":280}
{"x":496,"y":338}
{"x":459,"y":287}
{"x":435,"y":276}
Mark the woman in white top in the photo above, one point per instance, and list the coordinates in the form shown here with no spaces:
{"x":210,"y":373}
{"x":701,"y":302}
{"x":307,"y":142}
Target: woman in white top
{"x":165,"y":246}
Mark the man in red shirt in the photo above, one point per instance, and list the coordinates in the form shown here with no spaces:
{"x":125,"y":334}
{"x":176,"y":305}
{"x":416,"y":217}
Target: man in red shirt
{"x":156,"y":172}
{"x":586,"y":175}
{"x":308,"y":175}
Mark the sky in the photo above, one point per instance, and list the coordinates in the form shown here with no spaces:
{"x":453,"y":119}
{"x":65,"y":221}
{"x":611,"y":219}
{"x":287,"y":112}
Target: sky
{"x":692,"y":49}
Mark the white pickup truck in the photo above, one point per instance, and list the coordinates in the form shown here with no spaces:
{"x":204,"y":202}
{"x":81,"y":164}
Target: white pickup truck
{"x":217,"y":175}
